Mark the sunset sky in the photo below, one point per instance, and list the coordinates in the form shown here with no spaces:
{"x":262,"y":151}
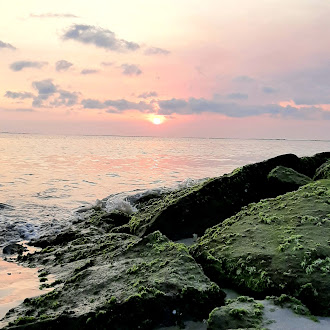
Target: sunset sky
{"x":212,"y":68}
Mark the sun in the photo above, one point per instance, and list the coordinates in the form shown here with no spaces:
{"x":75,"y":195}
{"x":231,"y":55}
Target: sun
{"x":157,"y":121}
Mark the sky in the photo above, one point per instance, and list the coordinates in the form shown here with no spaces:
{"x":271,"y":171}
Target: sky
{"x":212,"y":68}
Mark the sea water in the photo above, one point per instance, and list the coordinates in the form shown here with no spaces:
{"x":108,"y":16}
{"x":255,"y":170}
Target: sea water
{"x":45,"y":179}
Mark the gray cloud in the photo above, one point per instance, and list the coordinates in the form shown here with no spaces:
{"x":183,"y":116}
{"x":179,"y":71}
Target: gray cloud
{"x":197,"y":106}
{"x":237,"y":96}
{"x":243,"y":79}
{"x":22,"y":110}
{"x":19,"y":95}
{"x":63,"y":65}
{"x":116,"y":105}
{"x":45,"y":88}
{"x":53,"y":15}
{"x":6,"y":45}
{"x":89,"y":71}
{"x":20,"y":65}
{"x":269,"y":90}
{"x":147,"y":95}
{"x":131,"y":70}
{"x":102,"y":38}
{"x":156,"y":51}
{"x":66,"y":98}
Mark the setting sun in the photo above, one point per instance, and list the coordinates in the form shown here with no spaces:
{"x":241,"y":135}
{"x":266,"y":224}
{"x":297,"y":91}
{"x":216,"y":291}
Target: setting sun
{"x":157,"y":121}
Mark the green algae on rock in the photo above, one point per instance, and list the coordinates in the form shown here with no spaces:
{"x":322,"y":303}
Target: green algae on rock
{"x":241,"y":313}
{"x":278,"y":245}
{"x":323,"y":172}
{"x":286,"y":179}
{"x":191,"y":211}
{"x":118,"y":281}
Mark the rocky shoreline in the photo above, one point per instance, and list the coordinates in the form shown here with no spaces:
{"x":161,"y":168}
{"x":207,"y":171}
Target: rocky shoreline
{"x":264,"y":229}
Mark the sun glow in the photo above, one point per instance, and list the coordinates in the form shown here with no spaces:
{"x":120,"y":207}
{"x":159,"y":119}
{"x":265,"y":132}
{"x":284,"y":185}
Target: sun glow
{"x":157,"y":120}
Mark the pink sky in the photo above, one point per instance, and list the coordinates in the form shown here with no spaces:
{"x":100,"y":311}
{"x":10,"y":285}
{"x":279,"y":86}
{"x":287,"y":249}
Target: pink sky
{"x":208,"y":69}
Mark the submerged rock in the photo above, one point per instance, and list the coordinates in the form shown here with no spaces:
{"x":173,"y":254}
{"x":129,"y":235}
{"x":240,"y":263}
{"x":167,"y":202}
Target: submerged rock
{"x":117,"y":281}
{"x":323,"y":172}
{"x":191,"y":211}
{"x":241,"y":313}
{"x":275,"y":246}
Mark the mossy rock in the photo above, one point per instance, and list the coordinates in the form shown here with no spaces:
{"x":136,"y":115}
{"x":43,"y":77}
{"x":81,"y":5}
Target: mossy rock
{"x":323,"y":172}
{"x":182,"y":213}
{"x":286,"y":179}
{"x":241,"y":313}
{"x":275,"y":246}
{"x":118,"y":281}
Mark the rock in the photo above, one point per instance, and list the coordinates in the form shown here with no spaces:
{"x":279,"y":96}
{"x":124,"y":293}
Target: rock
{"x":14,"y":249}
{"x":117,"y":281}
{"x":284,"y":179}
{"x":276,"y":246}
{"x":323,"y":172}
{"x":241,"y":313}
{"x":182,"y":213}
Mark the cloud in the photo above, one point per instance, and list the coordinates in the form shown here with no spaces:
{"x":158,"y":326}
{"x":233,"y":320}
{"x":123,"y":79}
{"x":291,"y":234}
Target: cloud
{"x":63,"y":65}
{"x":65,"y":98}
{"x":131,"y":70}
{"x":45,"y":88}
{"x":116,"y":105}
{"x":20,"y":65}
{"x":269,"y":90}
{"x":156,"y":51}
{"x":237,"y":96}
{"x":53,"y":15}
{"x":22,"y":110}
{"x":19,"y":95}
{"x":6,"y":45}
{"x":147,"y":95}
{"x":89,"y":71}
{"x":197,"y":106}
{"x":107,"y":63}
{"x":243,"y":79}
{"x":102,"y":38}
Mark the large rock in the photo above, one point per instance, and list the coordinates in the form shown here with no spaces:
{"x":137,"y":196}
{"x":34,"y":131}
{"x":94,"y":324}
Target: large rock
{"x":117,"y":281}
{"x":323,"y":172}
{"x":285,"y":179}
{"x":191,"y":211}
{"x":275,"y":246}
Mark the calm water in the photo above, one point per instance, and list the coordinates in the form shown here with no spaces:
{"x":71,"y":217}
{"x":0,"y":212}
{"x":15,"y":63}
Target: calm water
{"x":43,"y":178}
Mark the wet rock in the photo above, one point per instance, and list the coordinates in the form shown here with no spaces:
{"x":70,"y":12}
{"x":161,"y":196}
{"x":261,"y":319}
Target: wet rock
{"x":275,"y":246}
{"x":241,"y":313}
{"x":191,"y":211}
{"x":118,"y":281}
{"x":284,"y":179}
{"x":14,"y":249}
{"x":323,"y":172}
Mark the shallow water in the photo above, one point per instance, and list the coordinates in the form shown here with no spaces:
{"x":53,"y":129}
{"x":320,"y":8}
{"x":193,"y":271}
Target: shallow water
{"x":43,"y":178}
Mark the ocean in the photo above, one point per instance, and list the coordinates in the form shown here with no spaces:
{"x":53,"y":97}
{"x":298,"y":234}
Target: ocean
{"x":45,"y":179}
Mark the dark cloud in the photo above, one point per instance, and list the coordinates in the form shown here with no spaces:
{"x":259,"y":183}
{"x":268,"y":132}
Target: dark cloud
{"x":156,"y":51}
{"x":45,"y":88}
{"x":20,"y":65}
{"x":53,"y":15}
{"x":147,"y":95}
{"x":63,"y":65}
{"x":6,"y":45}
{"x":19,"y":95}
{"x":116,"y":105}
{"x":243,"y":79}
{"x":131,"y":70}
{"x":269,"y":90}
{"x":89,"y":71}
{"x":237,"y":96}
{"x":98,"y":37}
